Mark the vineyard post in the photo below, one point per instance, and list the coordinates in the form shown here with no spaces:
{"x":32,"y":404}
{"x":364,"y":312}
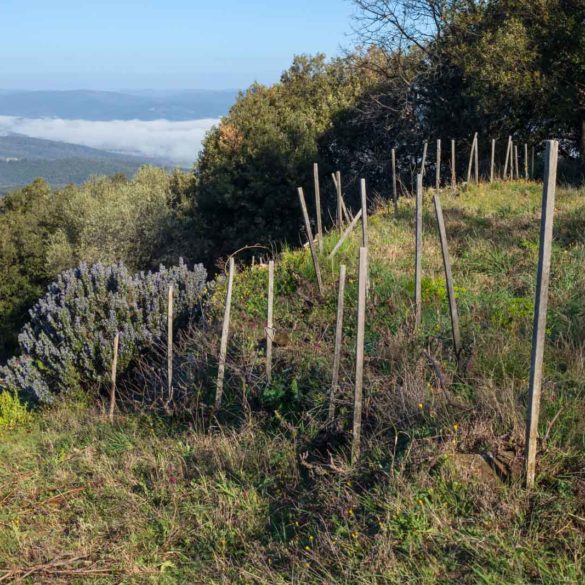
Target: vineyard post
{"x":364,"y":213}
{"x":311,"y":240}
{"x":508,"y":157}
{"x":318,"y":205}
{"x":453,"y":168}
{"x":418,"y":253}
{"x":470,"y":164}
{"x":394,"y":190}
{"x":493,"y":161}
{"x":269,"y":321}
{"x":476,"y":159}
{"x":224,"y":336}
{"x":114,"y":373}
{"x":424,"y":158}
{"x":337,"y":181}
{"x":540,"y":309}
{"x":359,"y":358}
{"x":448,"y":279}
{"x":170,"y":345}
{"x":438,"y":166}
{"x":346,"y":233}
{"x":338,"y":341}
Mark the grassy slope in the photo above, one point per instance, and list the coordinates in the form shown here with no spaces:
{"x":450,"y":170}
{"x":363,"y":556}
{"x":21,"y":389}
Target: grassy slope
{"x":261,"y":501}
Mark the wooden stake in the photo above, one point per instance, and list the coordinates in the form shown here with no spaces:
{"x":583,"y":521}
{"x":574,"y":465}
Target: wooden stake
{"x":224,"y":337}
{"x":438,"y":166}
{"x":476,"y":159}
{"x":453,"y":168}
{"x":470,"y":164}
{"x":346,"y":233}
{"x":338,"y":340}
{"x":359,"y":356}
{"x":318,"y":205}
{"x":532,"y":165}
{"x":493,"y":161}
{"x":337,"y":182}
{"x":508,"y":156}
{"x":170,"y":346}
{"x":269,"y":321}
{"x":394,"y":190}
{"x":424,"y":158}
{"x":448,"y":280}
{"x":418,"y":253}
{"x":114,"y":372}
{"x":364,"y":213}
{"x":516,"y":161}
{"x":540,"y":308}
{"x":526,"y":161}
{"x":311,"y":240}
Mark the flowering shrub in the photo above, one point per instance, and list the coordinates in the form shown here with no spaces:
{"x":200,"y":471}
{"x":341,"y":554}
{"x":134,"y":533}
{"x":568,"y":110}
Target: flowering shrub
{"x":68,"y":342}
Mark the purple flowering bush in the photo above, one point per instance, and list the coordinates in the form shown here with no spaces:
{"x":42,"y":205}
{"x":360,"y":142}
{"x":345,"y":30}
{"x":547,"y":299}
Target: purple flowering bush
{"x":68,"y":342}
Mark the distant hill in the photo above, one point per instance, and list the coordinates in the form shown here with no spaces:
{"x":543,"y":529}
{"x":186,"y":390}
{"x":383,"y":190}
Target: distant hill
{"x":23,"y":159}
{"x":105,"y":105}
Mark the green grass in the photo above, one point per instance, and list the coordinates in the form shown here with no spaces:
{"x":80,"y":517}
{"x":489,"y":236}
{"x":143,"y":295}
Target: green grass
{"x":266,"y":494}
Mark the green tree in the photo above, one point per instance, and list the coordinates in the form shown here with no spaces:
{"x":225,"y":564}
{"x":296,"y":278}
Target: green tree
{"x":263,"y":149}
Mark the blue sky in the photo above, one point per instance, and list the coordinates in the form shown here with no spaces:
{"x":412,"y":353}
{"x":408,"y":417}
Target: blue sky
{"x":162,"y":44}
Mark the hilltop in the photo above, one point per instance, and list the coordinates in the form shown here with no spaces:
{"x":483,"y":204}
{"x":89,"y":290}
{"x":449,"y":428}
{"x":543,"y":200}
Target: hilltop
{"x":24,"y":159}
{"x":264,"y":492}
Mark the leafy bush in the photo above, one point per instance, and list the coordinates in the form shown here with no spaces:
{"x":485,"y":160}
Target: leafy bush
{"x":12,"y":411}
{"x":68,"y":343}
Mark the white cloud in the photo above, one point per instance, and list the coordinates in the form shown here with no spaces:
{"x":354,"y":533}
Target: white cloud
{"x":177,"y":142}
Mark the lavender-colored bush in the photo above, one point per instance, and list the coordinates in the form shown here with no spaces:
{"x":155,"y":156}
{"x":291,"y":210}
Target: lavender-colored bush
{"x":68,"y":342}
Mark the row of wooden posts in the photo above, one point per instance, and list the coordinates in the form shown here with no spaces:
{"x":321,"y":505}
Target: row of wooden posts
{"x":511,"y":163}
{"x":543,"y":275}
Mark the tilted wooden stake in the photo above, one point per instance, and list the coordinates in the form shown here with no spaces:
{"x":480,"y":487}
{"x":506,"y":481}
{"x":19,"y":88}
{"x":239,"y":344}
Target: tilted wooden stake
{"x":337,"y":182}
{"x":170,"y":346}
{"x":364,"y":213}
{"x":526,"y":161}
{"x":493,"y":161}
{"x":346,"y":233}
{"x":394,"y":190}
{"x":476,"y":160}
{"x":438,"y":166}
{"x":424,"y":158}
{"x":359,"y":357}
{"x":338,"y":340}
{"x":508,"y":157}
{"x":224,"y":337}
{"x":470,"y":164}
{"x":418,"y":253}
{"x":453,"y":168}
{"x":540,"y":308}
{"x":269,"y":321}
{"x":318,"y":205}
{"x":448,"y":279}
{"x":114,"y":372}
{"x":311,"y":240}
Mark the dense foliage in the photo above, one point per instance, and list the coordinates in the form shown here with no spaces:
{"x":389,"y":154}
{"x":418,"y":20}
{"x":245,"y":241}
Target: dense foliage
{"x":253,"y":161}
{"x":141,"y":222}
{"x":68,"y":342}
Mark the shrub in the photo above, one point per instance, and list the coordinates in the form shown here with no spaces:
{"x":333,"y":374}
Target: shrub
{"x":12,"y":411}
{"x":68,"y":342}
